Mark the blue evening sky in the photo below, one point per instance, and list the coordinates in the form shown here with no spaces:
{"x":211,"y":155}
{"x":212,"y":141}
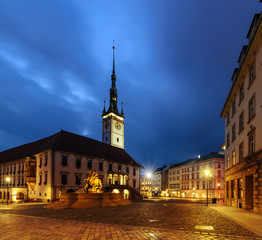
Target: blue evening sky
{"x":174,"y":61}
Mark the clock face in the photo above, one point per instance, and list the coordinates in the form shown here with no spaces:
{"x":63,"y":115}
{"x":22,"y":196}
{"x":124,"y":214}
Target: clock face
{"x":106,"y":125}
{"x":117,"y":125}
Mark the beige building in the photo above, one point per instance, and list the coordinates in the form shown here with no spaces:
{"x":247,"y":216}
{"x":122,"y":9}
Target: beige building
{"x":188,"y":179}
{"x":243,"y":126}
{"x":194,"y":182}
{"x":174,"y":179}
{"x":146,"y":186}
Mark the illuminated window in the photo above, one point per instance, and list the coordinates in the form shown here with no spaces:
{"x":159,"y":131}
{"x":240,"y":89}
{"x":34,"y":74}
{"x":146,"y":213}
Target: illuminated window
{"x":228,"y":159}
{"x":233,"y":157}
{"x":239,"y":188}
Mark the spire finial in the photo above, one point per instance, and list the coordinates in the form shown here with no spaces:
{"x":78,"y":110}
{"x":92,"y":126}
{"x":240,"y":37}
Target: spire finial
{"x":104,"y":110}
{"x":113,"y":56}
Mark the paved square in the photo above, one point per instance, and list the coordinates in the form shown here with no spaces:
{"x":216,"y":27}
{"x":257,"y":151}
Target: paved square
{"x":141,"y":220}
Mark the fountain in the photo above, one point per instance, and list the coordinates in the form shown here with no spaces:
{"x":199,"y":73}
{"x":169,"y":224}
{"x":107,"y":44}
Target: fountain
{"x":91,"y":196}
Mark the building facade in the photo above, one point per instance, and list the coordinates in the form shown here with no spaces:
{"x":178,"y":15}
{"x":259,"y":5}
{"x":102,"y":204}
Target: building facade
{"x":146,"y":186}
{"x":243,"y":126}
{"x":196,"y":184}
{"x":44,"y":169}
{"x":174,"y":179}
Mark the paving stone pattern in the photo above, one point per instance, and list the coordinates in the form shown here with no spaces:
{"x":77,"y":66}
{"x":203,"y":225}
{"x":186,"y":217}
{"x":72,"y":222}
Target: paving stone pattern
{"x":171,"y":220}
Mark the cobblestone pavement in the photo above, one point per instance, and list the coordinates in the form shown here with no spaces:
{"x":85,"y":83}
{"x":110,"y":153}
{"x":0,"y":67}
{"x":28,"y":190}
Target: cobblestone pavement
{"x":141,"y":220}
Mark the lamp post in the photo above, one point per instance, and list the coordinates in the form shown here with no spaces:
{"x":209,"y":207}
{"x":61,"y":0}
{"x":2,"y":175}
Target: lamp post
{"x":218,"y":186}
{"x":207,"y":172}
{"x":7,"y":195}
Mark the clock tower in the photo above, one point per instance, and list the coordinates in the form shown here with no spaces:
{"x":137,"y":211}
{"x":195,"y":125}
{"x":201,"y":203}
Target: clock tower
{"x":113,"y":121}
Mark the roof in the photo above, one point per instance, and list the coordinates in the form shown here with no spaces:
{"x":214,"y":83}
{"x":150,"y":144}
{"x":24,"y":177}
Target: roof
{"x":255,"y":25}
{"x":69,"y":142}
{"x":205,"y":157}
{"x":160,"y":169}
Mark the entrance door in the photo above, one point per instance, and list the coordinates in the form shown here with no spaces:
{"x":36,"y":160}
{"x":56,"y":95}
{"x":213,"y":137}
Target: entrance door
{"x":249,"y":192}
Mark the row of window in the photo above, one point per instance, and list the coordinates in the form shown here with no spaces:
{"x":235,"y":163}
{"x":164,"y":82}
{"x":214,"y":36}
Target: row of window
{"x":174,"y":178}
{"x":40,"y":178}
{"x":90,"y":165}
{"x":251,"y":150}
{"x":9,"y":169}
{"x":20,"y":182}
{"x":64,"y":177}
{"x":186,"y":186}
{"x":231,"y":189}
{"x":252,"y":76}
{"x":241,"y":121}
{"x":41,"y":160}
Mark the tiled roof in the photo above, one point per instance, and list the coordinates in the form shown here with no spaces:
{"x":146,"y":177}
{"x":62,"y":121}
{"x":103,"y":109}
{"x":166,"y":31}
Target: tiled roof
{"x":72,"y":143}
{"x":205,"y":157}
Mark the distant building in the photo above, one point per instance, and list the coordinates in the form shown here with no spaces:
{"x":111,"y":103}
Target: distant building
{"x":160,"y":182}
{"x":243,"y":126}
{"x":44,"y":169}
{"x":146,"y":186}
{"x":194,"y":182}
{"x":174,"y":180}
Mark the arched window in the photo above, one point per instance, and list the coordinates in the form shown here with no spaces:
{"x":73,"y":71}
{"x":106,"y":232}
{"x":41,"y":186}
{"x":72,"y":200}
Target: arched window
{"x":110,"y":179}
{"x":1,"y":195}
{"x":125,"y":180}
{"x":20,"y":196}
{"x":115,"y":179}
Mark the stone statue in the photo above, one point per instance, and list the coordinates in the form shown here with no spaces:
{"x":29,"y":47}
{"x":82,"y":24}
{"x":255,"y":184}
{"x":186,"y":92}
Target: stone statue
{"x":92,"y":183}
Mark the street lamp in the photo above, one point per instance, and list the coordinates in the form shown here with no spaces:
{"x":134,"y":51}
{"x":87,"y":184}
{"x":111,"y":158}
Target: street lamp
{"x":7,"y":195}
{"x":218,"y":186}
{"x":207,"y":172}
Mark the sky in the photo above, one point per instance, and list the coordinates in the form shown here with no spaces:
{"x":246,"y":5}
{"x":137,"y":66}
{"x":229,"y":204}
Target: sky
{"x":174,"y":62}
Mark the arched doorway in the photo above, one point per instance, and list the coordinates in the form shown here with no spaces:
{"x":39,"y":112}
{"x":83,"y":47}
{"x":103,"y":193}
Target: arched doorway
{"x":115,"y":191}
{"x":126,"y":194}
{"x":20,"y":196}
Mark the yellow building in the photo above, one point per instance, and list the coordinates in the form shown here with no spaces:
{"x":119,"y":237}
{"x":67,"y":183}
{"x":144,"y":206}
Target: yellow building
{"x":243,"y":126}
